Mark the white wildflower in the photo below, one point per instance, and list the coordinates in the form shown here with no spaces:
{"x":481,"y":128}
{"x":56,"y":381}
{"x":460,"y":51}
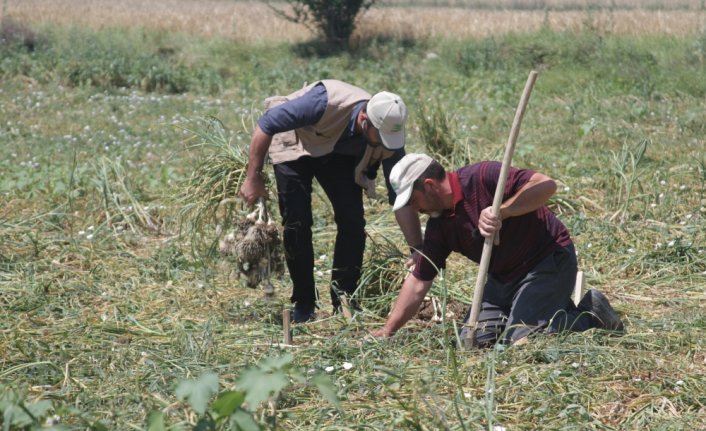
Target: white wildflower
{"x":329,"y":369}
{"x":347,"y":365}
{"x":53,"y":420}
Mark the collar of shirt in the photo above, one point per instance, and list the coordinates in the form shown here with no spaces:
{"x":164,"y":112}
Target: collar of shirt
{"x":354,"y":117}
{"x":456,"y":193}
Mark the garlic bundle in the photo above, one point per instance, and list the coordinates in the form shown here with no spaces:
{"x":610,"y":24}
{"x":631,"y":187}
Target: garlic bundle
{"x":256,"y":247}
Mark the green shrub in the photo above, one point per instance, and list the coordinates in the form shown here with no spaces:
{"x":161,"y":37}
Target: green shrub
{"x":110,"y":59}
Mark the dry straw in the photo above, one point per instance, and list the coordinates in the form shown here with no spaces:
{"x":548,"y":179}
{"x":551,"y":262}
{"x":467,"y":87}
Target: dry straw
{"x":254,"y":21}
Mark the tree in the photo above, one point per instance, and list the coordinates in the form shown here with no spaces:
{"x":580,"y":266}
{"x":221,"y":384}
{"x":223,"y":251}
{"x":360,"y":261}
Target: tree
{"x":333,"y":20}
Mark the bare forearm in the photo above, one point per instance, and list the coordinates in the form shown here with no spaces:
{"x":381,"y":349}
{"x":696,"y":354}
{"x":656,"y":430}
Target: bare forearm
{"x":253,"y":187}
{"x":410,"y":298}
{"x":408,"y":220}
{"x":531,"y":196}
{"x":259,"y":146}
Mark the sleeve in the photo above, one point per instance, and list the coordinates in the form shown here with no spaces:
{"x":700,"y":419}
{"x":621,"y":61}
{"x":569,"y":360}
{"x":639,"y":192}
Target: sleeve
{"x":433,"y":256}
{"x":302,"y":111}
{"x":516,"y":178}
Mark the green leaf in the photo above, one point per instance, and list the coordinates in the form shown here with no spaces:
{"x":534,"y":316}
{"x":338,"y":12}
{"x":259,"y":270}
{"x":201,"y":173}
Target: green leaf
{"x":155,"y":422}
{"x":260,"y":384}
{"x":327,"y":389}
{"x":59,"y":187}
{"x":7,"y":417}
{"x":242,"y":420}
{"x":14,"y":415}
{"x":227,"y":402}
{"x":197,"y":392}
{"x":277,"y":363}
{"x":40,"y":408}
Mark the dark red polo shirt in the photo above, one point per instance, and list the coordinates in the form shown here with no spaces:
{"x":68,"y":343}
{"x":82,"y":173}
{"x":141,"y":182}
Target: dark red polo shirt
{"x":524,"y":240}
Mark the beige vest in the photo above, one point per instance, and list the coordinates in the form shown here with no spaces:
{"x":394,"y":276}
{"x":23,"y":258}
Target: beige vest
{"x":319,"y":139}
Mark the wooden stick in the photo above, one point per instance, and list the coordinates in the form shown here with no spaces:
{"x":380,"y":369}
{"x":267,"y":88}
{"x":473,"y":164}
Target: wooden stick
{"x":497,"y":201}
{"x":579,"y":288}
{"x":287,"y":326}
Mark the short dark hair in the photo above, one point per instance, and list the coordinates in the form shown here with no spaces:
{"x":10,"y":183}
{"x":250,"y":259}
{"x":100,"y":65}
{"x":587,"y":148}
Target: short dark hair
{"x":434,"y":171}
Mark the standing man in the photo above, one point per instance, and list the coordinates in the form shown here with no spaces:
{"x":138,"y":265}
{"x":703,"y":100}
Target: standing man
{"x":340,"y":135}
{"x":533,"y":267}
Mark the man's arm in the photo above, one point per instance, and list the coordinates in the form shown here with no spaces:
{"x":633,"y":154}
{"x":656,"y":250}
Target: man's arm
{"x":408,"y":302}
{"x":254,"y":185}
{"x":534,"y":194}
{"x":408,"y":220}
{"x":293,"y":114}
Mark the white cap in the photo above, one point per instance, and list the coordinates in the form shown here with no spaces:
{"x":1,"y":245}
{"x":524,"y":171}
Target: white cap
{"x":404,"y":174}
{"x":388,"y":114}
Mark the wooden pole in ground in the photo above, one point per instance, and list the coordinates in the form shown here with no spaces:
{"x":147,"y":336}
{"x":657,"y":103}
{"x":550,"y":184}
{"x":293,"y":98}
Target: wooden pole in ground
{"x":497,"y":201}
{"x":287,"y":326}
{"x":579,"y":288}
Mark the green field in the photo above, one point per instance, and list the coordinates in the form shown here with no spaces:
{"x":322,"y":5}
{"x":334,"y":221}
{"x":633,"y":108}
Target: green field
{"x":116,"y":313}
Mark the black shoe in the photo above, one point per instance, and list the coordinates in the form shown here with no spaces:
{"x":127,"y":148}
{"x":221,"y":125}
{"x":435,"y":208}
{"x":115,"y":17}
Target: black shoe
{"x":602,"y":314}
{"x":303,"y":314}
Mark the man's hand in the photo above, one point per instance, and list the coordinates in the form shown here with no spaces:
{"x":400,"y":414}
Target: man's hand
{"x":381,"y":333}
{"x":489,"y":224}
{"x":409,"y":263}
{"x":253,"y":188}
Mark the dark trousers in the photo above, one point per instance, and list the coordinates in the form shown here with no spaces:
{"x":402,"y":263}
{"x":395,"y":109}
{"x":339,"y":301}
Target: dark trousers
{"x":539,"y":301}
{"x":294,"y":184}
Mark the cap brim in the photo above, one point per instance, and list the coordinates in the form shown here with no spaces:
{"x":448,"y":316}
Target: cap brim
{"x":402,"y":198}
{"x":393,"y":141}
